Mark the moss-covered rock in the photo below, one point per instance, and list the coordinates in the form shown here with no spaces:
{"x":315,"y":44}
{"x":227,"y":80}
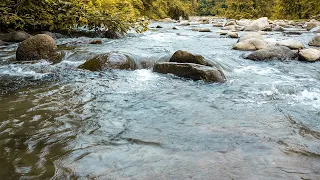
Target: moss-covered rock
{"x":186,"y":57}
{"x":38,"y":47}
{"x":111,"y":60}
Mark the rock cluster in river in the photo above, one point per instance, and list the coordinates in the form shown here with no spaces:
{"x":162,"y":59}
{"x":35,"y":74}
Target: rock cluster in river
{"x":187,"y":65}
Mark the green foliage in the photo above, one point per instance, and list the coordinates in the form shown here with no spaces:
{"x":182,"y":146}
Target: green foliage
{"x":68,"y":14}
{"x":288,"y":9}
{"x":65,"y":15}
{"x":162,"y":9}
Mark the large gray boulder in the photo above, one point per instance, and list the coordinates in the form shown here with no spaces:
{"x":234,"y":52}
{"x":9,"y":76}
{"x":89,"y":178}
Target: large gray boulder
{"x":252,"y":44}
{"x":315,"y":41}
{"x":38,"y":47}
{"x":290,"y":43}
{"x":186,"y":57}
{"x":272,"y":53}
{"x":309,"y":55}
{"x":111,"y":60}
{"x":16,"y":36}
{"x":191,"y":71}
{"x":261,"y":24}
{"x":249,"y":35}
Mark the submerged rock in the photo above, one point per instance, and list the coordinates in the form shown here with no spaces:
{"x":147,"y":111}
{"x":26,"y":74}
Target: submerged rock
{"x":204,"y":30}
{"x":315,"y":41}
{"x":111,"y":60}
{"x":261,"y":24}
{"x":309,"y":55}
{"x":38,"y":47}
{"x":250,"y":35}
{"x":250,"y":45}
{"x":272,"y":53}
{"x":16,"y":36}
{"x":232,"y":35}
{"x":186,"y":57}
{"x":191,"y":71}
{"x":291,"y":43}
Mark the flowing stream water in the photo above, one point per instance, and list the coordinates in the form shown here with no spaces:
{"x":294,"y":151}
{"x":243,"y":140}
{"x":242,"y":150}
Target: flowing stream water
{"x":263,"y":123}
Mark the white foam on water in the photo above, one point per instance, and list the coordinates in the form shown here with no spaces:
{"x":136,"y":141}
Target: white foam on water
{"x":24,"y":71}
{"x":309,"y":97}
{"x":256,"y":70}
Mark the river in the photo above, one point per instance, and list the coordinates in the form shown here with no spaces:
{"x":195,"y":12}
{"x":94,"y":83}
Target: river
{"x":263,"y":123}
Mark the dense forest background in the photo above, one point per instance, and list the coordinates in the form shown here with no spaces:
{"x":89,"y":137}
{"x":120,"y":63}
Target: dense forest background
{"x":121,"y":15}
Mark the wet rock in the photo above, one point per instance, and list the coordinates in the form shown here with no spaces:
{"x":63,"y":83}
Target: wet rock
{"x":272,"y":53}
{"x":176,"y":28}
{"x":111,"y":60}
{"x":250,"y":35}
{"x":311,"y":24}
{"x":114,"y":34}
{"x":38,"y":47}
{"x":186,"y":57}
{"x":159,"y":27}
{"x":230,"y":23}
{"x":229,"y":28}
{"x":278,"y":28}
{"x":205,"y":21}
{"x":315,"y":41}
{"x":232,"y":35}
{"x":261,"y":24}
{"x":95,"y":42}
{"x":204,"y":30}
{"x":243,"y":22}
{"x":191,"y":71}
{"x":250,"y":45}
{"x":291,"y":43}
{"x":16,"y":36}
{"x":222,"y":32}
{"x":309,"y":55}
{"x":239,"y":28}
{"x":184,"y":23}
{"x":218,"y":25}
